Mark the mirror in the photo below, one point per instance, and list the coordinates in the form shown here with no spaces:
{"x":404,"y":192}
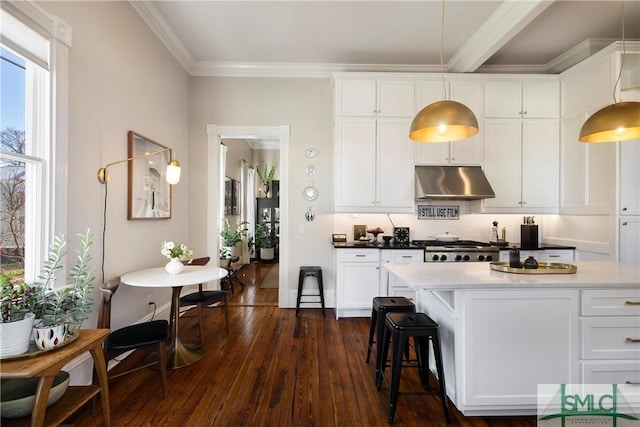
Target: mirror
{"x":148,"y":191}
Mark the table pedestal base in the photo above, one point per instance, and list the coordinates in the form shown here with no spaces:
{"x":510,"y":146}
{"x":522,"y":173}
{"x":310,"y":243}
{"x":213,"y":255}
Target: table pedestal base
{"x":180,"y":356}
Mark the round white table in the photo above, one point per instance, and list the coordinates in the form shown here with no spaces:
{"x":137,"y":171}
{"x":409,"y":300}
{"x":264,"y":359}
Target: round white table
{"x":178,"y":354}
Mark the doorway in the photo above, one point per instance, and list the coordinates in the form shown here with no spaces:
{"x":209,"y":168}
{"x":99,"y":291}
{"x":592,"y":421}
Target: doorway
{"x":215,"y":134}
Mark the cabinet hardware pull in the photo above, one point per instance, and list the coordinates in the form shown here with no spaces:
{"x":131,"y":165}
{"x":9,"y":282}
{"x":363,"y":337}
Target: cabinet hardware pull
{"x":554,"y":256}
{"x":360,"y":255}
{"x":632,"y":340}
{"x":407,"y":256}
{"x":624,"y":209}
{"x":625,"y":223}
{"x":632,"y":383}
{"x":632,"y":302}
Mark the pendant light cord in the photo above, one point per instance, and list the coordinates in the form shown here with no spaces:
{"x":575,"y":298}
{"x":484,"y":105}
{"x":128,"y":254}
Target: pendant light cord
{"x":444,"y":87}
{"x":624,"y":52}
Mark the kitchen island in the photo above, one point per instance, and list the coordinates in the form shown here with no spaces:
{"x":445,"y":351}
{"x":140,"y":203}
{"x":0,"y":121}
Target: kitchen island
{"x":502,"y":334}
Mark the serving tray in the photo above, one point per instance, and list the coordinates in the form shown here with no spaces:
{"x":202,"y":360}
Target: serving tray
{"x":35,"y":351}
{"x":543,"y":268}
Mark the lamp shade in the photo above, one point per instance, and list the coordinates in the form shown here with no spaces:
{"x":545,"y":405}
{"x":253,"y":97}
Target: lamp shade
{"x":615,"y":122}
{"x":443,"y":121}
{"x":173,"y":172}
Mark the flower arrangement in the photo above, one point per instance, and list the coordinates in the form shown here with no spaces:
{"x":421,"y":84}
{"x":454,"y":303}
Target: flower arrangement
{"x":179,"y":251}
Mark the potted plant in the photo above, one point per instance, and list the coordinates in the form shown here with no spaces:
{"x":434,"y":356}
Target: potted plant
{"x":265,"y":240}
{"x":230,"y":236}
{"x":17,"y":303}
{"x":266,"y":176}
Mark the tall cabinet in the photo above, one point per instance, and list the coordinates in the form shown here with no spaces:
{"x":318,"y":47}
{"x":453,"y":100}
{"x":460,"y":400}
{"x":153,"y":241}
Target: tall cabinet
{"x":268,"y":212}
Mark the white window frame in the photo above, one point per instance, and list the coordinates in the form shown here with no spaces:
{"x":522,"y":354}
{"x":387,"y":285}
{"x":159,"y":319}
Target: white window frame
{"x":45,"y":40}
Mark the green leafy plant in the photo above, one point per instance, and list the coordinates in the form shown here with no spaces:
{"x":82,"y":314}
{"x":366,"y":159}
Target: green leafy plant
{"x":16,"y":300}
{"x":72,"y":303}
{"x":266,"y":175}
{"x":231,"y":235}
{"x":264,"y":239}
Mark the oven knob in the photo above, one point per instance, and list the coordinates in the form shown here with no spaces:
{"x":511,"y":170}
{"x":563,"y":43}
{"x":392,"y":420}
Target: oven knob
{"x":480,"y":257}
{"x":489,"y":258}
{"x":458,"y":257}
{"x":443,"y":258}
{"x":466,"y":258}
{"x":435,"y":257}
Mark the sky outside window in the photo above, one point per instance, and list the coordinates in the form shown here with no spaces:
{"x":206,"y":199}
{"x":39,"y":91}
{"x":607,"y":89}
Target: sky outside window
{"x":12,"y":96}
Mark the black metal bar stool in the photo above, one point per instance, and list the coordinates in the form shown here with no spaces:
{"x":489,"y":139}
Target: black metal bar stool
{"x":398,"y":328}
{"x":382,"y":306}
{"x":310,"y":271}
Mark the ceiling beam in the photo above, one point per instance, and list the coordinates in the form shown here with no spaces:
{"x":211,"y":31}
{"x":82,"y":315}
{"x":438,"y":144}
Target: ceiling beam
{"x":509,"y":19}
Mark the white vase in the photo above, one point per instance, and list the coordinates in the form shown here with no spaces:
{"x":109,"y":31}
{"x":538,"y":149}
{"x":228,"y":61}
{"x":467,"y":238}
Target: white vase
{"x":174,"y":266}
{"x":15,"y":336}
{"x":48,"y":337}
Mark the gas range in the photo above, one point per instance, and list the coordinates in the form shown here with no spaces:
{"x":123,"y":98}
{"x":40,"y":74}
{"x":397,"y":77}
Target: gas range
{"x":459,"y":251}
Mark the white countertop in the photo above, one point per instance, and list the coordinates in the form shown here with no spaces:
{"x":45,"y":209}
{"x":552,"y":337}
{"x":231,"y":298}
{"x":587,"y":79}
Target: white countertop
{"x":471,"y":275}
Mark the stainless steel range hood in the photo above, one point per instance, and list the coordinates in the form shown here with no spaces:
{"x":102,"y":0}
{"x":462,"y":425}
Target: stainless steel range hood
{"x":452,"y":183}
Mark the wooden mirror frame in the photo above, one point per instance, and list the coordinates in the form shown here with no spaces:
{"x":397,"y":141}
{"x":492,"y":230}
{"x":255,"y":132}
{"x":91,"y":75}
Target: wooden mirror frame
{"x":149,"y":193}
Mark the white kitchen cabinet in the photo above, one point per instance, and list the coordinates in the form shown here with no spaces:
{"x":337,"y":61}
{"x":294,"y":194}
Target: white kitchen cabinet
{"x":498,"y":345}
{"x":464,"y":152}
{"x":546,"y":255}
{"x":373,"y":165}
{"x":610,"y":320}
{"x":629,"y":239}
{"x":357,"y":281}
{"x":521,"y":161}
{"x":629,"y":177}
{"x":371,"y":97}
{"x":539,"y":99}
{"x":396,"y":287}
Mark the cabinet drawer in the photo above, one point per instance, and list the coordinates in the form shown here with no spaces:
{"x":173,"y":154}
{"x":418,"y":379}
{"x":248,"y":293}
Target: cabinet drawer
{"x":555,"y":256}
{"x":365,"y":255}
{"x":611,"y":338}
{"x":611,"y":372}
{"x":619,"y":302}
{"x":408,"y":257}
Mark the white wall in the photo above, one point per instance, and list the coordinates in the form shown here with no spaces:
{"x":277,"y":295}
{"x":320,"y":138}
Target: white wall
{"x":121,"y":78}
{"x":303,"y":104}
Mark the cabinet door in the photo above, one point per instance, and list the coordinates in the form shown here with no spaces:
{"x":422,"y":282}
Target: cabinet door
{"x":503,"y":99}
{"x":395,"y":98}
{"x":540,"y":100}
{"x":629,"y":230}
{"x":395,"y":171}
{"x":358,"y":284}
{"x":506,"y":360}
{"x":356,"y":97}
{"x":355,"y":160}
{"x":502,"y":161}
{"x":630,"y":177}
{"x":467,"y":151}
{"x":540,"y":163}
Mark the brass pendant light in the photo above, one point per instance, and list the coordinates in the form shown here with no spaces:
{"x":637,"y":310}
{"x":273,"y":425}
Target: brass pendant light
{"x":619,"y":121}
{"x":445,"y":120}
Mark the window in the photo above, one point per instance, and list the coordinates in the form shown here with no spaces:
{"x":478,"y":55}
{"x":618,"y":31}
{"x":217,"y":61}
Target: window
{"x":34,"y":141}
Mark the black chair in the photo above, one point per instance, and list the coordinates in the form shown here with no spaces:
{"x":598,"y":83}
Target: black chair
{"x":227,"y":282}
{"x":148,"y":335}
{"x":204,"y":299}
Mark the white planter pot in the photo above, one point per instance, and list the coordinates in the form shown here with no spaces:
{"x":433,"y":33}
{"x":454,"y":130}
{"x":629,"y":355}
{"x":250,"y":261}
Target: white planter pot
{"x":267,"y":253}
{"x":48,"y":337}
{"x":15,"y":336}
{"x":229,"y":251}
{"x":174,"y":266}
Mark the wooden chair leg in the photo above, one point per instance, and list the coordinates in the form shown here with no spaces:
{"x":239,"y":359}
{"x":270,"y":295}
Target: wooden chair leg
{"x":226,"y":312}
{"x":201,"y":321}
{"x":162,"y":360}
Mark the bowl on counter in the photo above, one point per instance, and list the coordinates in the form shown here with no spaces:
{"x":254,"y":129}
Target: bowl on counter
{"x":18,"y":394}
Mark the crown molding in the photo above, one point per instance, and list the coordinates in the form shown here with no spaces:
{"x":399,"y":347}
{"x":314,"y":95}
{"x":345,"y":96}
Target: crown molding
{"x":150,"y":15}
{"x":576,"y":54}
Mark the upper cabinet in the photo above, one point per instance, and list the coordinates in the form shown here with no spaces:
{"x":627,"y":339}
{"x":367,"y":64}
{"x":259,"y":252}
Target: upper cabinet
{"x":629,"y":177}
{"x":373,"y":165}
{"x":527,"y":98}
{"x":370,"y":97}
{"x":464,"y":152}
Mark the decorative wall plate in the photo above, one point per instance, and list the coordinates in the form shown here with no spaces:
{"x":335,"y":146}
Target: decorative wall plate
{"x":311,"y":152}
{"x":310,"y":169}
{"x":310,"y":193}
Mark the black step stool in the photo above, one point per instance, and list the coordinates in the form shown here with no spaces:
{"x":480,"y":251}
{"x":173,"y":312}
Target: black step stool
{"x":310,"y":271}
{"x":398,"y":328}
{"x":382,"y":306}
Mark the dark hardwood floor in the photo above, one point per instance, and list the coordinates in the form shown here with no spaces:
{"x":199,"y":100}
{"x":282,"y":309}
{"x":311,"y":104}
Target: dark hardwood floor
{"x":273,"y":369}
